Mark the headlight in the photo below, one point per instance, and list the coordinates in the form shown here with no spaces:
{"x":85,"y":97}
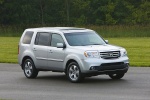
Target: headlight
{"x":123,"y":52}
{"x":91,"y":54}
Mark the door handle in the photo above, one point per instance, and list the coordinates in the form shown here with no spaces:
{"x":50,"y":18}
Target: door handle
{"x":34,"y":49}
{"x":50,"y":51}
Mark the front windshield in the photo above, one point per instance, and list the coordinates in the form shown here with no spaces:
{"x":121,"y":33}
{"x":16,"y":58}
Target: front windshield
{"x":84,"y":39}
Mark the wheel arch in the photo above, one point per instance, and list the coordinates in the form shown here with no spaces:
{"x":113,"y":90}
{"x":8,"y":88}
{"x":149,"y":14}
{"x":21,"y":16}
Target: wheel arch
{"x":73,"y":58}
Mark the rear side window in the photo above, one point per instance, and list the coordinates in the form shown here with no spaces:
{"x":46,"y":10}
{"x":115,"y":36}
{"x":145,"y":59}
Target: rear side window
{"x":42,"y":39}
{"x":27,"y":37}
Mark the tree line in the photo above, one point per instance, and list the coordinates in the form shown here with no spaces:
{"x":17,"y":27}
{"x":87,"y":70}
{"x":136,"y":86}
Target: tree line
{"x":74,"y":12}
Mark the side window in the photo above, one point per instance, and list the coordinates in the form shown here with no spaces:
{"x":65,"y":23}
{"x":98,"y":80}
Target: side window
{"x":27,"y":37}
{"x":42,"y":39}
{"x":56,"y":38}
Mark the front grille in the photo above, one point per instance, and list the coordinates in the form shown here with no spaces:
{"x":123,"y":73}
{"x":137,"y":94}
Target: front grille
{"x":110,"y":54}
{"x":112,"y":64}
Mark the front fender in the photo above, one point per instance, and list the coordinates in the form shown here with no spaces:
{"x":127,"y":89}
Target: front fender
{"x":76,"y":58}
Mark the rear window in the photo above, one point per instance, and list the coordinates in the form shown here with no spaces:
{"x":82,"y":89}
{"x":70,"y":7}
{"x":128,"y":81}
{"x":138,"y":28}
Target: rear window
{"x":27,"y":37}
{"x":42,"y":38}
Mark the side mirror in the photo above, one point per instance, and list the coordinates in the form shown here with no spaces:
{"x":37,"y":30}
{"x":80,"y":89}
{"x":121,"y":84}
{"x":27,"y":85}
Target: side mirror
{"x":106,"y":41}
{"x":61,"y":45}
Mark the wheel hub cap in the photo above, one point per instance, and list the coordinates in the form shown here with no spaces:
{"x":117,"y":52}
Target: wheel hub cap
{"x":74,"y":72}
{"x":28,"y":68}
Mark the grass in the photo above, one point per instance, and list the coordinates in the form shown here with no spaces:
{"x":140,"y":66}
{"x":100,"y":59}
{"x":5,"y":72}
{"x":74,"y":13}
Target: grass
{"x":105,"y":30}
{"x":138,"y":49}
{"x":8,"y":49}
{"x":123,"y":30}
{"x":10,"y":31}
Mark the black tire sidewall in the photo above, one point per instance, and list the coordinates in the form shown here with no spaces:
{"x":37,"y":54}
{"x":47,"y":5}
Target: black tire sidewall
{"x":34,"y":71}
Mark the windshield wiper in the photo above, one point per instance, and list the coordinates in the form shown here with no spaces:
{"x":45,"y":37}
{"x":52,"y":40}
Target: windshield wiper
{"x":95,"y":44}
{"x":90,"y":44}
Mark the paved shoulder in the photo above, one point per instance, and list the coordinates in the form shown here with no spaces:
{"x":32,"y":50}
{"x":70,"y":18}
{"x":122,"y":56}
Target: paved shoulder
{"x":9,"y":67}
{"x":135,"y":85}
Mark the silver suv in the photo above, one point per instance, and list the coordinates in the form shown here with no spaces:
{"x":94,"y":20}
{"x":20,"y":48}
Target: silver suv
{"x":78,"y":52}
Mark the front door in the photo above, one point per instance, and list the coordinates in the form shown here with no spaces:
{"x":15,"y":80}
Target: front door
{"x":56,"y":55}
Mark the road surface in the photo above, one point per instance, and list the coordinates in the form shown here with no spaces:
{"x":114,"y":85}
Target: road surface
{"x":135,"y":85}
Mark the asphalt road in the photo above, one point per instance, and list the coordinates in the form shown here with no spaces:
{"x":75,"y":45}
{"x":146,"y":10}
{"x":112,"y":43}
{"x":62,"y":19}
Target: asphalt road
{"x":135,"y":85}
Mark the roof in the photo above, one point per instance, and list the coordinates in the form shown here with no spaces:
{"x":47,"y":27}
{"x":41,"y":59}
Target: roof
{"x":62,"y":29}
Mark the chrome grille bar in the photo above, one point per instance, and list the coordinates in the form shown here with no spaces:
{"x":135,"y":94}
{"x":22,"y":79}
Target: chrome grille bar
{"x":110,"y":54}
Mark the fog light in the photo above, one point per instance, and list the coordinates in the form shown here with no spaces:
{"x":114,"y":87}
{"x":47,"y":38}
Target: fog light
{"x":92,"y":68}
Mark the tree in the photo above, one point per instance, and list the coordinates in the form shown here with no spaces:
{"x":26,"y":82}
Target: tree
{"x":1,"y":1}
{"x":74,"y":12}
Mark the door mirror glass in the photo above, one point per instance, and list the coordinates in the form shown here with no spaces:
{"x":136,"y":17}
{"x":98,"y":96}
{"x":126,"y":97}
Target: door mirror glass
{"x":61,"y":45}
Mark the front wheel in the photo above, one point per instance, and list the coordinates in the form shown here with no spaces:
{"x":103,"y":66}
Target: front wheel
{"x":116,"y":76}
{"x":74,"y":73}
{"x":29,"y":69}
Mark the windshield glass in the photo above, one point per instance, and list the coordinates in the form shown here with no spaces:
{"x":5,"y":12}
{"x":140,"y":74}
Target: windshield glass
{"x":84,"y":39}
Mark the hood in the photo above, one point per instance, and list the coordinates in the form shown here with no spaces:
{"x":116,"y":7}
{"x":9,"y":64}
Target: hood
{"x":106,"y":47}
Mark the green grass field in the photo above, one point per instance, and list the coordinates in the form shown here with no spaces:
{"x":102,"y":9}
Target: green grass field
{"x":138,"y":49}
{"x":123,"y":30}
{"x":104,"y":30}
{"x":8,"y":49}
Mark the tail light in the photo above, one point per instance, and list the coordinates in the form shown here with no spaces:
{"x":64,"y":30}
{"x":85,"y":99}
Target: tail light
{"x":18,"y":49}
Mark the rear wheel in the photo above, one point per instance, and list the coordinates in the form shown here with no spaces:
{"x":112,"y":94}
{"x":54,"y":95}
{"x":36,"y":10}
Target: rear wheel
{"x":74,"y":73}
{"x":116,"y":76}
{"x":29,"y":69}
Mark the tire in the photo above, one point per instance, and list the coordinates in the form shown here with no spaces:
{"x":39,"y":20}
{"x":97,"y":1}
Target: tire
{"x":74,"y":73}
{"x":29,"y":69}
{"x":116,"y":76}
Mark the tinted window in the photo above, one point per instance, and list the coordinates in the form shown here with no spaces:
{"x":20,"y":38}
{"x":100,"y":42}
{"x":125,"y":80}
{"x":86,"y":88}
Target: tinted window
{"x":56,"y":38}
{"x":42,"y":39}
{"x":37,"y":39}
{"x":27,"y":37}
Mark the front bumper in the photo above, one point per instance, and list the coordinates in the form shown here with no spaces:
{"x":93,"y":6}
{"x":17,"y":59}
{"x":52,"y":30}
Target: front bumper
{"x":107,"y":72}
{"x":110,"y":66}
{"x":101,"y":66}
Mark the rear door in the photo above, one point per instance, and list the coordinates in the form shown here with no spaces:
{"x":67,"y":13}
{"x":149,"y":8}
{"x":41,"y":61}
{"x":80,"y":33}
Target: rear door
{"x":40,"y":48}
